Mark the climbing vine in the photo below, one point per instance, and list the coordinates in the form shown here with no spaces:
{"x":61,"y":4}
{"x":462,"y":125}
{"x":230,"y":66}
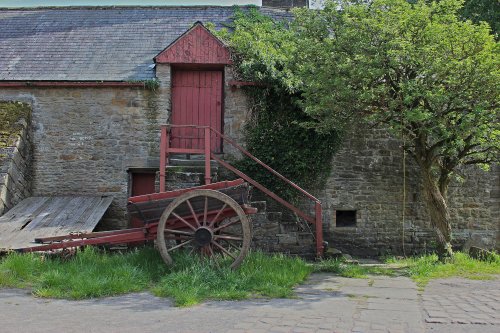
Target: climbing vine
{"x":280,"y":132}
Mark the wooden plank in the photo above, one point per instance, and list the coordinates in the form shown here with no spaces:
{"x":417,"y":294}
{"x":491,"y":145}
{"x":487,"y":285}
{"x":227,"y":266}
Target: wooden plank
{"x":50,"y":216}
{"x":98,"y":212}
{"x":27,"y":208}
{"x":57,"y":220}
{"x":43,"y":219}
{"x":86,"y":212}
{"x":8,"y":228}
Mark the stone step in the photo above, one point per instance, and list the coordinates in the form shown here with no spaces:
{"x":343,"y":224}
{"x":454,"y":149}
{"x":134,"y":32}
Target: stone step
{"x":260,"y":205}
{"x":191,"y":162}
{"x":274,"y":216}
{"x":177,"y":186}
{"x":190,"y":168}
{"x":185,"y":177}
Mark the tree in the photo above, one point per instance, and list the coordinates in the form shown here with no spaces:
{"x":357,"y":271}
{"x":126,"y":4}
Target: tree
{"x":415,"y":68}
{"x":483,"y":10}
{"x":261,"y":48}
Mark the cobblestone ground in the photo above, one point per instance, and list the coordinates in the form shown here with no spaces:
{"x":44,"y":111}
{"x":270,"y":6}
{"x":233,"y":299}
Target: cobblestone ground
{"x":459,"y":305}
{"x":325,"y":304}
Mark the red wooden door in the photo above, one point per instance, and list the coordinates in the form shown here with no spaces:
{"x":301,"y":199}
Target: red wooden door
{"x":196,"y":100}
{"x":142,"y":183}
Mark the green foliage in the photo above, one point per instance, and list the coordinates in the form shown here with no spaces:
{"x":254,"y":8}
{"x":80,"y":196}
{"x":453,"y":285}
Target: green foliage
{"x":89,"y":274}
{"x":92,"y":273}
{"x":419,"y":70}
{"x":350,"y":270}
{"x":423,"y":269}
{"x":151,"y":84}
{"x":11,"y":115}
{"x":277,"y":135}
{"x":483,"y":10}
{"x":193,"y":280}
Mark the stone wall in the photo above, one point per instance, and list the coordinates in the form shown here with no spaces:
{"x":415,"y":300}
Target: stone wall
{"x":367,"y":177}
{"x":284,"y":3}
{"x":85,"y":139}
{"x":15,"y":169}
{"x":236,"y":114}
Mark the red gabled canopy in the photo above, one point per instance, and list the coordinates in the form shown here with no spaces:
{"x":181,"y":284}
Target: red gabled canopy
{"x":195,"y":46}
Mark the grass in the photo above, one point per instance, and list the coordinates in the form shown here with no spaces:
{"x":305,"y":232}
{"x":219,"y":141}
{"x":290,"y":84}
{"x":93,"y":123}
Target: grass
{"x":191,"y":280}
{"x":425,"y":268}
{"x":421,"y":269}
{"x":93,"y":273}
{"x":259,"y":275}
{"x":88,"y":274}
{"x":349,"y":270}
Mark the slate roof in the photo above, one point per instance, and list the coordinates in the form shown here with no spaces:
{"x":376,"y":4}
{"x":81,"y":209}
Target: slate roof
{"x":89,"y":44}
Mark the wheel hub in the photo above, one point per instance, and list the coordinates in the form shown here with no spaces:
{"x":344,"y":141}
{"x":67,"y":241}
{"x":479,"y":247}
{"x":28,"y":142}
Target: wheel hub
{"x":203,"y":236}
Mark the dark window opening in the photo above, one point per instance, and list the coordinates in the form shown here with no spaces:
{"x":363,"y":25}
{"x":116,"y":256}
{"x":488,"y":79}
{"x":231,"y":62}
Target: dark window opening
{"x":345,"y":218}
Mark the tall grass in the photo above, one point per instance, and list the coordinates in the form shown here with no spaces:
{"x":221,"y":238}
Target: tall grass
{"x":340,"y":267}
{"x":90,"y":273}
{"x":93,"y":273}
{"x":425,"y":268}
{"x":259,"y":275}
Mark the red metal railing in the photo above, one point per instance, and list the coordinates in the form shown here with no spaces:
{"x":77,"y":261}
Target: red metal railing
{"x":204,"y":134}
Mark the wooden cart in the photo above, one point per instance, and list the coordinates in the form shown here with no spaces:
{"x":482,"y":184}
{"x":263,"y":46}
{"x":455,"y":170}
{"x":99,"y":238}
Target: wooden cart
{"x":210,"y":219}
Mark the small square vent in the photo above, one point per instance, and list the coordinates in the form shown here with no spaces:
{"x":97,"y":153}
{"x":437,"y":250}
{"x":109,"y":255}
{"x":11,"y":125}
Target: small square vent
{"x":345,"y":218}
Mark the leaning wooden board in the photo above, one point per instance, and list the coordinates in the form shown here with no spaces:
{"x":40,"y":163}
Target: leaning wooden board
{"x":37,"y":217}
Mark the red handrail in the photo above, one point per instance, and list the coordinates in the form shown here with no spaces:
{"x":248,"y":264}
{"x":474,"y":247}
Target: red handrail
{"x":165,"y":149}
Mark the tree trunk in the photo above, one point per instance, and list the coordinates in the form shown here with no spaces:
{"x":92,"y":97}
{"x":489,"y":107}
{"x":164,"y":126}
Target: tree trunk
{"x":437,"y":207}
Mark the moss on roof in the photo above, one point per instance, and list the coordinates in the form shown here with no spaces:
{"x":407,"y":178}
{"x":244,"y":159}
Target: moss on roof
{"x":13,"y":118}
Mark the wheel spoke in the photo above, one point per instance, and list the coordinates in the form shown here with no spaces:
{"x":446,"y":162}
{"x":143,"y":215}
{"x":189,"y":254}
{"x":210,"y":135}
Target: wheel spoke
{"x":227,"y":237}
{"x":180,"y":245}
{"x":223,"y":249}
{"x":193,"y":213}
{"x":179,"y":232}
{"x":205,"y":212}
{"x":225,"y":221}
{"x":217,"y":216}
{"x":237,"y":219}
{"x":184,"y":221}
{"x":176,"y":237}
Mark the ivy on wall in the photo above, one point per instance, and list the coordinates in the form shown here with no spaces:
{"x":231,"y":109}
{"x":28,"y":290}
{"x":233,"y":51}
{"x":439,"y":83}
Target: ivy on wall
{"x":279,"y":133}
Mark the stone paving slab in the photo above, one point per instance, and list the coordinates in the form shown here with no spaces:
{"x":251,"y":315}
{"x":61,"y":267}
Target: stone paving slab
{"x":460,"y":305}
{"x":326,"y":303}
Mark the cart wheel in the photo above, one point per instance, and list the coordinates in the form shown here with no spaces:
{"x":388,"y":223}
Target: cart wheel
{"x":205,"y":221}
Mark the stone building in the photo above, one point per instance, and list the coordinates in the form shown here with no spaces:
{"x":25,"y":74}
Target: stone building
{"x":89,"y":76}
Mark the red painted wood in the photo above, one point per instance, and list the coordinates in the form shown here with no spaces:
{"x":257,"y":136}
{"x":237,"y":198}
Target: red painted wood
{"x":196,"y":100}
{"x":143,"y":183}
{"x":176,"y":193}
{"x":196,"y":46}
{"x":164,"y":147}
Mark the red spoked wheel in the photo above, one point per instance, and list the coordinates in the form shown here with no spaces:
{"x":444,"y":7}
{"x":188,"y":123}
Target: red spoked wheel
{"x":207,"y":222}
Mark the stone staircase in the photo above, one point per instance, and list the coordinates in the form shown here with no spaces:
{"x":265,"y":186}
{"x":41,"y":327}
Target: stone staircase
{"x":184,"y":171}
{"x":274,"y":228}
